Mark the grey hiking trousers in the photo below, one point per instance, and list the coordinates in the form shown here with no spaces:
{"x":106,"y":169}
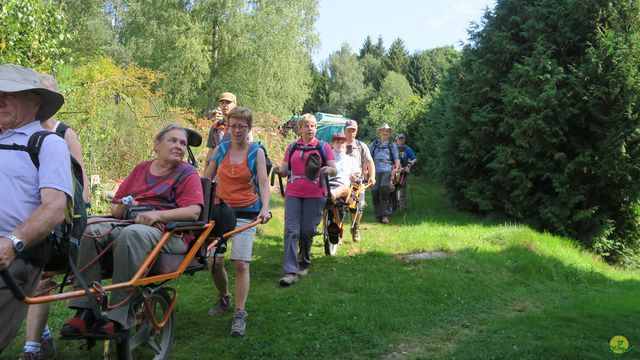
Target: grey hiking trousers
{"x":301,"y":219}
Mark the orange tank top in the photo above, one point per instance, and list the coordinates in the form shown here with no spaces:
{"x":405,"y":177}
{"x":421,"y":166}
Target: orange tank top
{"x":234,"y":184}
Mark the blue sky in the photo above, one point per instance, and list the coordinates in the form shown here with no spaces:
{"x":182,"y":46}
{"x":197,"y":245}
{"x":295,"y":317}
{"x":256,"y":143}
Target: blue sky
{"x":422,"y":24}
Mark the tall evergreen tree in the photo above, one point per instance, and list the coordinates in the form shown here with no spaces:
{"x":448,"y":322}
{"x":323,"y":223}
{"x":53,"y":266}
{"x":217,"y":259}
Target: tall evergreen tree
{"x":378,"y":48}
{"x":397,"y":58}
{"x":541,"y":122}
{"x":367,"y":47}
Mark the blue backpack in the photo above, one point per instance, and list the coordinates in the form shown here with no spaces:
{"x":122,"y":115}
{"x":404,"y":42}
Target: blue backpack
{"x":252,"y":161}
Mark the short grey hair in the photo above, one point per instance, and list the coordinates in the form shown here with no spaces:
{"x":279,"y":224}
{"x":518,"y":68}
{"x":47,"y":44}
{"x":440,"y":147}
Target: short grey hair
{"x":166,"y":129}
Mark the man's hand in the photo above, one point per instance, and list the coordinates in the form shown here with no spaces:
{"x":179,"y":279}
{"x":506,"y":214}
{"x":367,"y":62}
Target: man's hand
{"x":148,"y":218}
{"x":326,"y":170}
{"x":7,"y":254}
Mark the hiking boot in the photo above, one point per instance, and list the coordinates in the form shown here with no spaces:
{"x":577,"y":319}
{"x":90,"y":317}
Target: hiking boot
{"x":239,"y":323}
{"x":355,"y":235}
{"x":221,"y":306}
{"x":47,"y":348}
{"x":303,"y":271}
{"x":288,"y":279}
{"x":384,"y":220}
{"x":29,"y":355}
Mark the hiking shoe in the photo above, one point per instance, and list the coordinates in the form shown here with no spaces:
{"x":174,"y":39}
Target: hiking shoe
{"x":355,"y":235}
{"x":221,"y":306}
{"x":29,"y":355}
{"x":288,"y":279}
{"x":303,"y":271}
{"x":238,"y":323}
{"x":385,"y":220}
{"x":47,"y":348}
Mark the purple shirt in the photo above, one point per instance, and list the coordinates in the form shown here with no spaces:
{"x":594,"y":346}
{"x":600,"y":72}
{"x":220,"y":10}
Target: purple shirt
{"x":20,"y":181}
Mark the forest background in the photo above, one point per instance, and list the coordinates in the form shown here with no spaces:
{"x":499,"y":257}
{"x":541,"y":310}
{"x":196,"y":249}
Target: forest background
{"x":535,"y":120}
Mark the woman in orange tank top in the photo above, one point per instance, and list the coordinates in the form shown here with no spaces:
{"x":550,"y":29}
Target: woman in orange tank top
{"x":235,"y":186}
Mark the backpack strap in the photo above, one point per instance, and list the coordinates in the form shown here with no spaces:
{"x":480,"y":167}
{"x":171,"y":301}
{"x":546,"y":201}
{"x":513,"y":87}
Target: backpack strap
{"x":61,"y":129}
{"x":32,"y":148}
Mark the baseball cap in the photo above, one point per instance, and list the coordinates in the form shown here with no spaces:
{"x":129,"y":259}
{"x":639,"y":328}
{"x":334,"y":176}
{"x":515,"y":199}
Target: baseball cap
{"x":227,"y":96}
{"x":350,"y":124}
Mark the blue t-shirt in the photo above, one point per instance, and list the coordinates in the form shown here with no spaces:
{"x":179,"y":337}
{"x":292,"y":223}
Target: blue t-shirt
{"x":406,"y":154}
{"x":382,"y":157}
{"x":21,"y":182}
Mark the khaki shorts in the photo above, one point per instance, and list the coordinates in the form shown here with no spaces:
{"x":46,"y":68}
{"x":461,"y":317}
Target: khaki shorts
{"x":242,"y":243}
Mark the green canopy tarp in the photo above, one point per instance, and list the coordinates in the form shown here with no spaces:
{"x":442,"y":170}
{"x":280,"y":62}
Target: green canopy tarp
{"x":328,"y":125}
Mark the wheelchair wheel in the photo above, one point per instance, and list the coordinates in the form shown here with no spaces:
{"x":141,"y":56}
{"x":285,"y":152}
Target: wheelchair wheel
{"x":329,"y":248}
{"x":146,"y":342}
{"x":393,"y":200}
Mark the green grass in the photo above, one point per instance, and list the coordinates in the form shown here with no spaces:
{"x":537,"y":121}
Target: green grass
{"x":504,"y":292}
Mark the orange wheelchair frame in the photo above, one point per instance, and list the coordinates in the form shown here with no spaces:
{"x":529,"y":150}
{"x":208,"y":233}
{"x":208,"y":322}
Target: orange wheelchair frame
{"x":156,"y":302}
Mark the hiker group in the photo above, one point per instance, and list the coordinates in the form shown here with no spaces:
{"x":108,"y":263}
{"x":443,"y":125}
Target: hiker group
{"x":45,"y":193}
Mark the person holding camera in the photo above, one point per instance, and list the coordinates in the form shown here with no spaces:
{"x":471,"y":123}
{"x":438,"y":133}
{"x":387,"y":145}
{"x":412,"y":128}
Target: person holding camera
{"x":218,"y":132}
{"x":171,"y":190}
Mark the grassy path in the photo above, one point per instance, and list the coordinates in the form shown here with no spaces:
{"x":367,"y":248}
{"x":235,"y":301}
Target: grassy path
{"x":504,"y":292}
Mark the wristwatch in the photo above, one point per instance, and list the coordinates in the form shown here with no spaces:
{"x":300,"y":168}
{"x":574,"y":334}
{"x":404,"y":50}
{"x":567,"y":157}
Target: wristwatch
{"x":18,"y":245}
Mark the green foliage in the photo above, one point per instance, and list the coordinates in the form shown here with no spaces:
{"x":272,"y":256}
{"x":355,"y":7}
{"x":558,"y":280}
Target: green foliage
{"x":373,"y":70}
{"x":91,"y":33}
{"x":397,"y":58}
{"x":395,"y":86}
{"x":540,"y":121}
{"x":114,"y":112}
{"x":427,"y":68}
{"x":346,"y":87}
{"x":32,"y":34}
{"x":260,"y":51}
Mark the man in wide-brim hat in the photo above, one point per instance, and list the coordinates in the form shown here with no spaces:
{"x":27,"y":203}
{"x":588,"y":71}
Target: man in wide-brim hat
{"x":34,"y":198}
{"x":387,"y":163}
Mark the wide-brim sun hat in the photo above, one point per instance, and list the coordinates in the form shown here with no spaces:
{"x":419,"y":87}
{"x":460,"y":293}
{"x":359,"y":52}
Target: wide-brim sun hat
{"x":384,"y":126}
{"x":15,"y":78}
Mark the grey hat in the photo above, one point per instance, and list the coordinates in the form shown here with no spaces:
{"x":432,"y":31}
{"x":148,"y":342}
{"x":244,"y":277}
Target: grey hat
{"x":384,"y":126}
{"x":14,"y":78}
{"x":400,"y":136}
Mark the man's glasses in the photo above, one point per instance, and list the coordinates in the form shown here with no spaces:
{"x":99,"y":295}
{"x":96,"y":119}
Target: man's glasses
{"x":239,"y":127}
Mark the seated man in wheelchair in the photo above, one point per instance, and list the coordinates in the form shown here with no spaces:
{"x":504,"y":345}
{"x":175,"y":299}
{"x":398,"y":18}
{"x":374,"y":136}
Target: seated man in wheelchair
{"x":156,"y":192}
{"x":348,"y":169}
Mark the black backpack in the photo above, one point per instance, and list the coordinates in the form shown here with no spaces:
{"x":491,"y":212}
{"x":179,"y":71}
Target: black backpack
{"x":377,"y":144}
{"x":65,"y":239}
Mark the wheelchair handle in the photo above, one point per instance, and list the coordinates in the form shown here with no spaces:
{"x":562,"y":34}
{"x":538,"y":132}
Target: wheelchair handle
{"x":11,"y":283}
{"x":273,"y":180}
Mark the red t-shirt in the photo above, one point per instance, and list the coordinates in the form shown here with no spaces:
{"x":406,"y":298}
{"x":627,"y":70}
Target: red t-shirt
{"x":303,"y":187}
{"x":175,"y":189}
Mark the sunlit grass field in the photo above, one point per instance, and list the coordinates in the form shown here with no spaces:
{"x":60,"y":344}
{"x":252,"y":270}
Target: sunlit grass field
{"x":504,"y":292}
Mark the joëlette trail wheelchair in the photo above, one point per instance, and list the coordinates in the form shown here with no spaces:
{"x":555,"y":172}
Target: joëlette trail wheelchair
{"x":335,"y":212}
{"x":398,"y":184}
{"x":155,"y":302}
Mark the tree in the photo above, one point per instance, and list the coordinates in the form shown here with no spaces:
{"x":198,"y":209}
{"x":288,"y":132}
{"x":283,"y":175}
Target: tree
{"x":320,"y":90}
{"x":261,"y":51}
{"x":163,"y":36}
{"x":91,"y":33}
{"x":345,"y":80}
{"x":428,"y":68}
{"x":397,"y":58}
{"x":373,"y":71}
{"x":32,"y":34}
{"x":367,"y":48}
{"x":541,"y":120}
{"x":395,"y":86}
{"x":378,"y":49}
